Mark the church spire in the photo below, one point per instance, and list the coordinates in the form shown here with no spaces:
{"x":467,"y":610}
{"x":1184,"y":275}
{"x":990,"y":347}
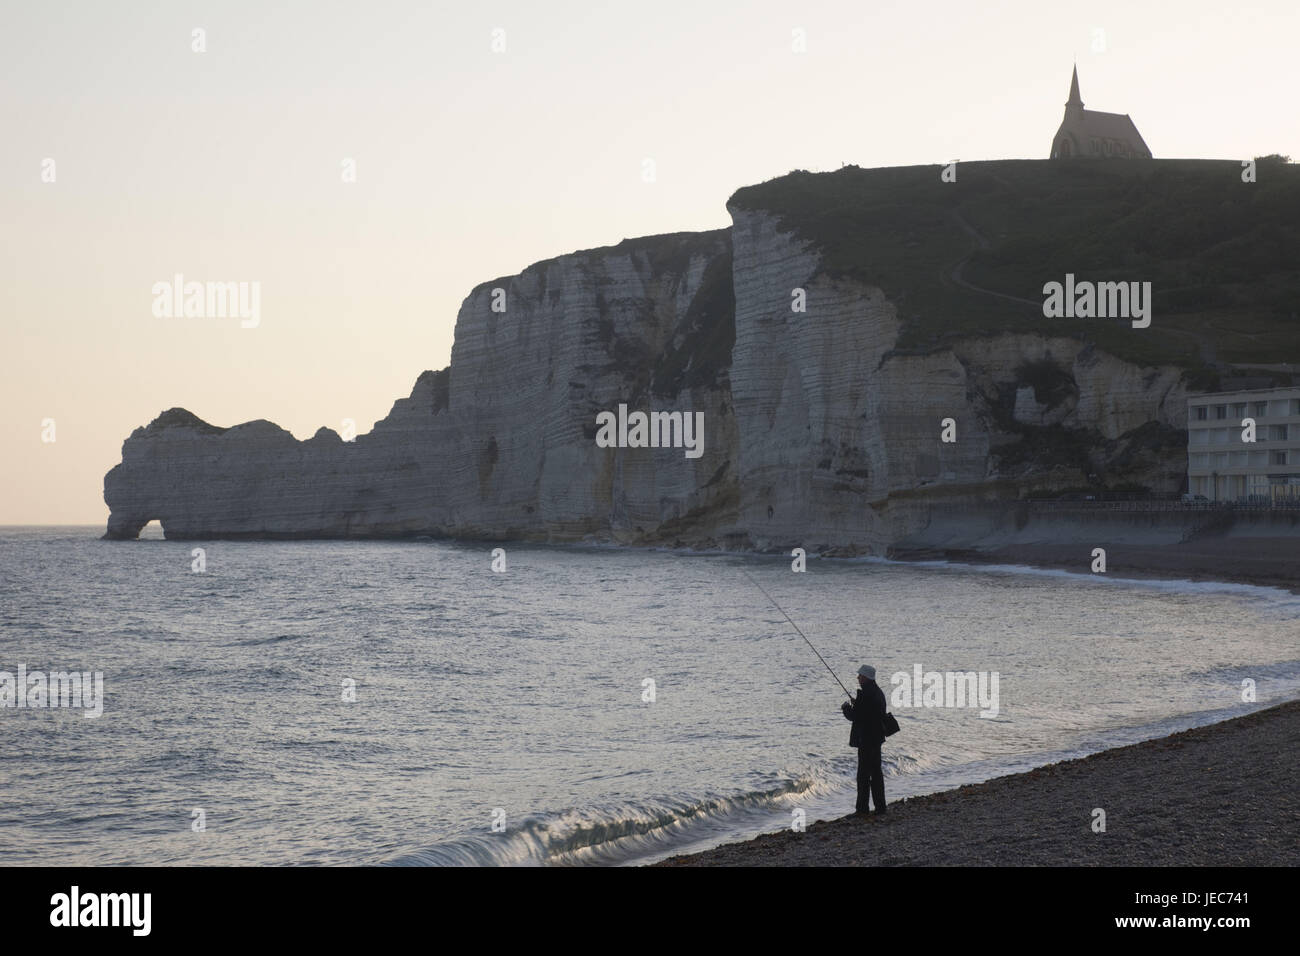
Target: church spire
{"x":1074,"y":99}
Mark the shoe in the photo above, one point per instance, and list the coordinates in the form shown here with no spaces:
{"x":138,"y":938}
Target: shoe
{"x":881,"y":812}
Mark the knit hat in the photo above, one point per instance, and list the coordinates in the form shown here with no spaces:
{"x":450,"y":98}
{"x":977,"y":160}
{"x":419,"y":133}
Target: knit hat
{"x":867,"y":671}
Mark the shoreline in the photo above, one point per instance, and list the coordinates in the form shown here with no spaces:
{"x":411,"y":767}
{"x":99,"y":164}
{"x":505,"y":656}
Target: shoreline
{"x":1271,"y":562}
{"x":1225,"y":794}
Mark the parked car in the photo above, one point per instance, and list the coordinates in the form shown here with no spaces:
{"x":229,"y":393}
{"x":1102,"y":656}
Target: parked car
{"x":1195,"y":499}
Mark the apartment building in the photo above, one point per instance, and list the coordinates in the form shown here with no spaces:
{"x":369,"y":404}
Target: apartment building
{"x":1223,"y":467}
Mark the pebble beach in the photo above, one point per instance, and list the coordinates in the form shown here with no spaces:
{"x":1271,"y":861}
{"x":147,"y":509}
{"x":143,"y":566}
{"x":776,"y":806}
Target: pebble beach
{"x":1227,"y":794}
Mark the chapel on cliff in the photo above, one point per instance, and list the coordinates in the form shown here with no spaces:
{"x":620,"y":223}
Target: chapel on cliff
{"x":1093,"y":133}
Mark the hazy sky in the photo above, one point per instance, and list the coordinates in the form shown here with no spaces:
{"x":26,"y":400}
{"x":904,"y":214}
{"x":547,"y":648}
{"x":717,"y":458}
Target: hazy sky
{"x":471,"y":164}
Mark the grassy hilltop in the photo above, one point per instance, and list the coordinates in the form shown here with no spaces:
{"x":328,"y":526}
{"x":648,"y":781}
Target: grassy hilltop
{"x":1223,"y":256}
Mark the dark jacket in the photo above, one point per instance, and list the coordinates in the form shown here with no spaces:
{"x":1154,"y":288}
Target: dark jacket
{"x":868,"y":716}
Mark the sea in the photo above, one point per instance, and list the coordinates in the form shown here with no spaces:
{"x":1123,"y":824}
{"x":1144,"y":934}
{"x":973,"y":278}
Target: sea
{"x":426,"y":703}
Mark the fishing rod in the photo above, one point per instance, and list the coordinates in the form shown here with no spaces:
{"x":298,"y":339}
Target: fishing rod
{"x":801,"y":633}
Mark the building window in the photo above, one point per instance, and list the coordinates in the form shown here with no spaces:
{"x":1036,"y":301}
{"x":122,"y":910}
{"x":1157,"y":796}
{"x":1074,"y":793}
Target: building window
{"x":1202,"y":413}
{"x":1220,"y":411}
{"x":1261,"y":409}
{"x":1239,"y":411}
{"x":1279,"y":458}
{"x":1277,"y":433}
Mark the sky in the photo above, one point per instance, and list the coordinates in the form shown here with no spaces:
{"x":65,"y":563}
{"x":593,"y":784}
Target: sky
{"x":481,"y":137}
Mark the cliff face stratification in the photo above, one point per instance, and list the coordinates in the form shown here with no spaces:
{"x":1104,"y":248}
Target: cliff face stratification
{"x":822,"y":426}
{"x":502,"y":443}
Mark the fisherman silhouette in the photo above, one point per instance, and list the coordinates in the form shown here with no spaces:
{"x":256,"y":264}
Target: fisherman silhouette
{"x":868,"y":716}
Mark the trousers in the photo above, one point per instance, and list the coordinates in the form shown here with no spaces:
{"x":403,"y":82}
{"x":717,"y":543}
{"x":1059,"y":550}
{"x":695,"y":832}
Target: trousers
{"x":871,"y":778}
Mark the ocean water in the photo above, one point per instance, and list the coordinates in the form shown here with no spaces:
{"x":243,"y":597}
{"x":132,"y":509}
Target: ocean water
{"x":503,"y":719}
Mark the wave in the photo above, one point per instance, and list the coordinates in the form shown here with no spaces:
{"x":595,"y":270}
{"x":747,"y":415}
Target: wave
{"x":1277,"y":595}
{"x":1286,"y":671}
{"x":630,"y":831}
{"x":640,"y":832}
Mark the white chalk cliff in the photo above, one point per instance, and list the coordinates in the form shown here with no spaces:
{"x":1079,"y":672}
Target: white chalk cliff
{"x":819,"y":431}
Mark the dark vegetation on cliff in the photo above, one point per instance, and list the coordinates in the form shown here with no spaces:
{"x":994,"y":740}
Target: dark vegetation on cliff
{"x":1223,"y":256}
{"x":1153,"y":451}
{"x":439,"y":384}
{"x":183,"y":418}
{"x":700,"y":353}
{"x":1087,"y":460}
{"x":667,"y":252}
